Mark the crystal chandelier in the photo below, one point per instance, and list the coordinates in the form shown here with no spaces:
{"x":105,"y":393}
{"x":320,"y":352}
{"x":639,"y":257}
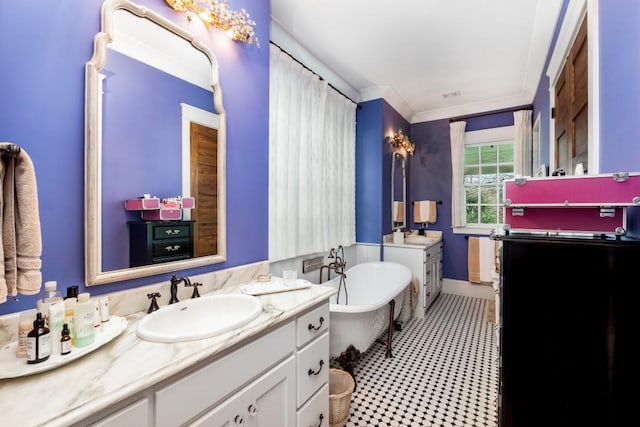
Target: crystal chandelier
{"x":217,"y":13}
{"x":400,"y":140}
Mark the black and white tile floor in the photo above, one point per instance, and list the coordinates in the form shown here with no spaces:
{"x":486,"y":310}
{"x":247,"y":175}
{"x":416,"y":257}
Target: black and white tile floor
{"x":443,"y":372}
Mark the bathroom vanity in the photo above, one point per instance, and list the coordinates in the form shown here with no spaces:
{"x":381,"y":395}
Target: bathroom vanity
{"x":425,"y":262}
{"x":274,"y":368}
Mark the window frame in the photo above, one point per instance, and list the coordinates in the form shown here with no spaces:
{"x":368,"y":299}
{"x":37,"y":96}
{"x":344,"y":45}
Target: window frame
{"x":481,"y":137}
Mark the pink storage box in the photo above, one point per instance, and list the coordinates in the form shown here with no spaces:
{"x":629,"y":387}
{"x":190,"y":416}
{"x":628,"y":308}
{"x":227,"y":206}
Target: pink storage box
{"x":162,"y":214}
{"x":587,"y":190}
{"x":188,"y":203}
{"x":142,"y":204}
{"x":591,"y":203}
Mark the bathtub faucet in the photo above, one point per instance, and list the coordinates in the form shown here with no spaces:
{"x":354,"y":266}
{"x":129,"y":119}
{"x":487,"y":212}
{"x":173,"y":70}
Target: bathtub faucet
{"x":338,"y":265}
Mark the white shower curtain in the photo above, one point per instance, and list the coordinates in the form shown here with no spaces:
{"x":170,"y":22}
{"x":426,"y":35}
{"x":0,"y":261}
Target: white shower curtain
{"x":311,"y":162}
{"x":456,"y":134}
{"x":522,"y":142}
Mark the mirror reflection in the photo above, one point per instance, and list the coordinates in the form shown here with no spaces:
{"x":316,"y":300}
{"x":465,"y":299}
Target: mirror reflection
{"x":156,"y":139}
{"x":398,"y":191}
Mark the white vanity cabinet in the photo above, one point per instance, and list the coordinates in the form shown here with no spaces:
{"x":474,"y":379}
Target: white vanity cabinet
{"x":425,"y":263}
{"x":312,"y":356}
{"x":136,"y":414}
{"x":279,"y":379}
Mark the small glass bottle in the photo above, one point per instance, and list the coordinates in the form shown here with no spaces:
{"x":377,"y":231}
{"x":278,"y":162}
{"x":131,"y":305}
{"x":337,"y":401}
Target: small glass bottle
{"x":65,"y":340}
{"x":38,"y":341}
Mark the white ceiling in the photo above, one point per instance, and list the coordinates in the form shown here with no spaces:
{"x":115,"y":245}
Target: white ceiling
{"x":412,"y":52}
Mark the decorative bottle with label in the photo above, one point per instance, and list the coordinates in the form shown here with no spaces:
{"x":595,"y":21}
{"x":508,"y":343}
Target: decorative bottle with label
{"x":38,"y":341}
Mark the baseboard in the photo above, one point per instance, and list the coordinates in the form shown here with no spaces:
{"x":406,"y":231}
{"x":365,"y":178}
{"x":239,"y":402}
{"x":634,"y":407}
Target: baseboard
{"x":467,"y":289}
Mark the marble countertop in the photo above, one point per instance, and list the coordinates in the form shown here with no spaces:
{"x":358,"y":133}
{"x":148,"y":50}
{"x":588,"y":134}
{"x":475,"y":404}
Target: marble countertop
{"x":128,"y":365}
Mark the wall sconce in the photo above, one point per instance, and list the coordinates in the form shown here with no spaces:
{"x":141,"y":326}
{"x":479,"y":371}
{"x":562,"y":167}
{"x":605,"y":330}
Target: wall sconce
{"x":400,"y":140}
{"x":238,"y":25}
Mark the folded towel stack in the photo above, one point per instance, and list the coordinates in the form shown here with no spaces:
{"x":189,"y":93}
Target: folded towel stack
{"x":21,"y":239}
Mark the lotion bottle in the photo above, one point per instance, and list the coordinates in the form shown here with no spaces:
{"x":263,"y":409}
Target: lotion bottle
{"x":84,"y":320}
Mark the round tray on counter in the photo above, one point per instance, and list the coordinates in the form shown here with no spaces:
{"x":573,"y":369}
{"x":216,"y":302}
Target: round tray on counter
{"x":12,"y":366}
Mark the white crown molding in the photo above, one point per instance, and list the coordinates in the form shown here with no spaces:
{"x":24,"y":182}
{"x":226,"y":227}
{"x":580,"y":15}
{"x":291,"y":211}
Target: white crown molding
{"x":391,"y":96}
{"x":473,"y":108}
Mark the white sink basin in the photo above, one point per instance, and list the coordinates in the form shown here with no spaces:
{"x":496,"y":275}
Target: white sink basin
{"x":199,"y":318}
{"x":421,"y":240}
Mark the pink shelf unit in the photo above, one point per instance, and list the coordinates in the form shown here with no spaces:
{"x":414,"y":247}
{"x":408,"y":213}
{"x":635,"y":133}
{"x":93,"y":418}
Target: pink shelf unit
{"x":590,"y":203}
{"x":153,"y":209}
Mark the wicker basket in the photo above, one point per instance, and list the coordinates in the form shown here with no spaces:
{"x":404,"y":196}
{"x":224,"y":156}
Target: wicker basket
{"x":341,"y":386}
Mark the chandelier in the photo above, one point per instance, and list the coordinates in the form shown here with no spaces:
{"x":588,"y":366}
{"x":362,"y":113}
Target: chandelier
{"x":400,"y":140}
{"x":238,"y":25}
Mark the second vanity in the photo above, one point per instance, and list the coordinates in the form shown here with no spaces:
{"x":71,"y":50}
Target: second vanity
{"x":274,"y":368}
{"x":423,"y":256}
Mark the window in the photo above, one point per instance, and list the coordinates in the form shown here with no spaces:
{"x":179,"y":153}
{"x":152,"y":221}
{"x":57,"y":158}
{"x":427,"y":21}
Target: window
{"x":488,"y":160}
{"x":486,"y":166}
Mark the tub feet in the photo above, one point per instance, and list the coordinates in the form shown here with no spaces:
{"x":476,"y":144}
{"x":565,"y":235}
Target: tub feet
{"x":392,"y":307}
{"x":347,"y":361}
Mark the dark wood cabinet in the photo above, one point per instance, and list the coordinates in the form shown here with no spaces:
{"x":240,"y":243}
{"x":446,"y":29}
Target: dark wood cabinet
{"x":570,"y":323}
{"x":153,"y":242}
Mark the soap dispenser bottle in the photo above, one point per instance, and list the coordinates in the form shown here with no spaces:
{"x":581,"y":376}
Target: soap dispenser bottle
{"x":84,"y":321}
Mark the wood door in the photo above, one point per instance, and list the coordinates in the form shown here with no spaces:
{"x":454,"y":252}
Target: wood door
{"x":571,"y":106}
{"x":204,"y":187}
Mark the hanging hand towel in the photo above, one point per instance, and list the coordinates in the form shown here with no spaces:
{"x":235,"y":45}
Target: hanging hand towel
{"x":473,"y":264}
{"x":487,"y":259}
{"x":424,"y":211}
{"x":21,"y":235}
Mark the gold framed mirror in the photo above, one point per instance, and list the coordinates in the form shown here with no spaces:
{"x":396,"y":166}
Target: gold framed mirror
{"x":134,"y":147}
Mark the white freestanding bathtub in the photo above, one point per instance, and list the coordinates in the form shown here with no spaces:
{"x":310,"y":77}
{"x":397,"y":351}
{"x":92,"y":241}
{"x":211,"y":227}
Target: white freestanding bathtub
{"x":370,"y":287}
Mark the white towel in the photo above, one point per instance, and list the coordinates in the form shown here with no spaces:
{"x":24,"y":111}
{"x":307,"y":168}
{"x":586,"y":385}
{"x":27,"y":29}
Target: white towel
{"x":21,"y":245}
{"x":398,"y":211}
{"x":424,"y":211}
{"x":487,"y":259}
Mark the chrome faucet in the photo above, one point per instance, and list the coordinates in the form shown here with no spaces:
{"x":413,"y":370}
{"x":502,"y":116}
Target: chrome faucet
{"x":174,"y":287}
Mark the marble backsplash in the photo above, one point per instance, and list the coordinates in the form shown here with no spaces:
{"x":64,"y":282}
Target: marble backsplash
{"x":124,"y":303}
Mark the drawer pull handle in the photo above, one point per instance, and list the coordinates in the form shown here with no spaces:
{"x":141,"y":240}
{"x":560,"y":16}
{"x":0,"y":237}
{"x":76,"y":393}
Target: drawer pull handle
{"x":312,"y":372}
{"x":252,"y":410}
{"x":173,"y":232}
{"x":172,"y":248}
{"x":320,"y":418}
{"x":315,"y":328}
{"x":238,"y":420}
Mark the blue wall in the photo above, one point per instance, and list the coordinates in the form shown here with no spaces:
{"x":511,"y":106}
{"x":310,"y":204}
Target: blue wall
{"x":43,"y":54}
{"x":376,"y":121}
{"x":619,"y":86}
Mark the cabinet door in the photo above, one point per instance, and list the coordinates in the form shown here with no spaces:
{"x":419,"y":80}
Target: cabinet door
{"x":229,"y":413}
{"x":267,"y":402}
{"x":270,"y":401}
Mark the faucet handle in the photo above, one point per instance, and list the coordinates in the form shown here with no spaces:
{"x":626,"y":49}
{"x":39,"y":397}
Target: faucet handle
{"x":154,"y":304}
{"x":332,"y":253}
{"x":194,"y":285}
